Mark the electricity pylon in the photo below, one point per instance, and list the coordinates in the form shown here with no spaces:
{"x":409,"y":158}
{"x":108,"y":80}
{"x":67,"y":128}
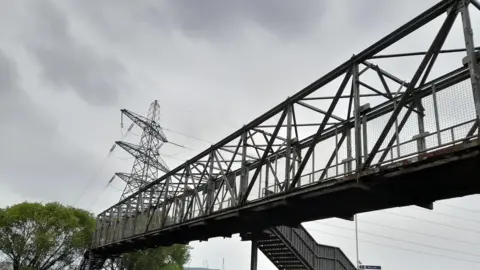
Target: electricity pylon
{"x":147,"y":162}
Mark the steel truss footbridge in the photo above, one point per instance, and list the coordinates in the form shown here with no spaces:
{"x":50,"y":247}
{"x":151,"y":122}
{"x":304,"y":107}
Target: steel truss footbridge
{"x":357,"y":139}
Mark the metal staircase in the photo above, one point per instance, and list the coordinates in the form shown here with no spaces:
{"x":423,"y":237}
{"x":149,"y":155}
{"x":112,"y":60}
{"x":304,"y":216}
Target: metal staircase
{"x":91,"y":262}
{"x":294,"y":248}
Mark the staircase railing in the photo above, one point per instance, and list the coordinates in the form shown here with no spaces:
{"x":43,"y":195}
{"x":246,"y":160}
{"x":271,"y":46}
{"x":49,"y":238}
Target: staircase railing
{"x":315,"y":255}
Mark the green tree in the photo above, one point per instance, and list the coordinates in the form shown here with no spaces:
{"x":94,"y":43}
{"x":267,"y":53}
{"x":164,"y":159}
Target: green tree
{"x":160,"y":258}
{"x":35,"y":236}
{"x":44,"y":236}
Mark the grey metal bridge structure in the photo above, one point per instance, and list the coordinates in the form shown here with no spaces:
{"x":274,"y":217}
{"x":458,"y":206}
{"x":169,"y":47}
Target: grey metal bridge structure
{"x":358,"y":139}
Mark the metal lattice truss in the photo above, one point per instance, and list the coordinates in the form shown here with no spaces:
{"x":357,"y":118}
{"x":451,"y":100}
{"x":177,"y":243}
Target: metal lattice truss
{"x":147,"y":162}
{"x":357,"y":117}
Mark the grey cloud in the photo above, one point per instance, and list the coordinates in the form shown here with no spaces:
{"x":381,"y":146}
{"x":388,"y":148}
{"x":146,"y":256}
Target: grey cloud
{"x":78,"y":68}
{"x":69,"y":64}
{"x":217,"y":20}
{"x":35,"y":160}
{"x":15,"y":105}
{"x":285,"y":19}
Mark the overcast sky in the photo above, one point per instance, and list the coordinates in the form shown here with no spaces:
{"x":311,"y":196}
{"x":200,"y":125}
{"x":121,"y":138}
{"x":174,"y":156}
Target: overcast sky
{"x":68,"y":67}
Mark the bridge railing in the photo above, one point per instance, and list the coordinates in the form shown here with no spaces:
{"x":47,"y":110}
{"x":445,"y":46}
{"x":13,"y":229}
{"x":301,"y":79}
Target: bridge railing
{"x":115,"y":225}
{"x":318,"y":256}
{"x":320,"y":134}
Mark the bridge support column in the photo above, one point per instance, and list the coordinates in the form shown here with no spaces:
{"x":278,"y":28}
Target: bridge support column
{"x":472,"y":56}
{"x":254,"y":255}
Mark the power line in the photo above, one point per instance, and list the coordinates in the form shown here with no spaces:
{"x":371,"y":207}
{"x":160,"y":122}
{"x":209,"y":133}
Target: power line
{"x":98,"y":196}
{"x":458,"y":207}
{"x":400,"y":248}
{"x":183,"y":134}
{"x":109,"y":184}
{"x":186,"y":135}
{"x":404,"y":241}
{"x":420,"y":233}
{"x":451,"y":216}
{"x":93,"y":178}
{"x":123,"y":136}
{"x":183,"y":146}
{"x":124,"y":158}
{"x":116,"y":188}
{"x":432,"y":222}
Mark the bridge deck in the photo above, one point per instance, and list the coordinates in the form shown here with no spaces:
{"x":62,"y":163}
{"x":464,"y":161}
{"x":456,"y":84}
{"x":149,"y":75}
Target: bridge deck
{"x":442,"y":174}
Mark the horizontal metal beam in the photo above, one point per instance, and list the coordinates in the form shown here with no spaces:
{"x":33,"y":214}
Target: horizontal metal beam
{"x":313,"y":108}
{"x":345,"y":96}
{"x":298,"y":125}
{"x":385,"y":73}
{"x":417,"y":53}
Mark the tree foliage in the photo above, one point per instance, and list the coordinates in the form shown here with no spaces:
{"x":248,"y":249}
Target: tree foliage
{"x":35,"y":236}
{"x":44,"y":236}
{"x":160,"y":258}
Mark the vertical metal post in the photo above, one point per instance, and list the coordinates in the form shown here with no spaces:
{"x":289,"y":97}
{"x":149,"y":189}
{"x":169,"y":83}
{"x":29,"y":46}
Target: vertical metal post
{"x":174,"y":210}
{"x":243,"y":176}
{"x":397,"y":135}
{"x":356,"y":111}
{"x":294,"y":164}
{"x":164,"y":213}
{"x":184,"y":199}
{"x":231,"y":180}
{"x":152,"y":193}
{"x":275,"y":188}
{"x":365,"y":139}
{"x":313,"y":165}
{"x":267,"y":173}
{"x":137,"y":212}
{"x":472,"y":56}
{"x":117,"y":223}
{"x":210,"y":185}
{"x":289,"y":146}
{"x":356,"y":242}
{"x":336,"y":150}
{"x":299,"y":160}
{"x":254,"y":251}
{"x":141,"y":200}
{"x":126,"y":218}
{"x":194,"y":208}
{"x":349,"y":151}
{"x":421,"y":142}
{"x":259,"y":180}
{"x":437,"y":116}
